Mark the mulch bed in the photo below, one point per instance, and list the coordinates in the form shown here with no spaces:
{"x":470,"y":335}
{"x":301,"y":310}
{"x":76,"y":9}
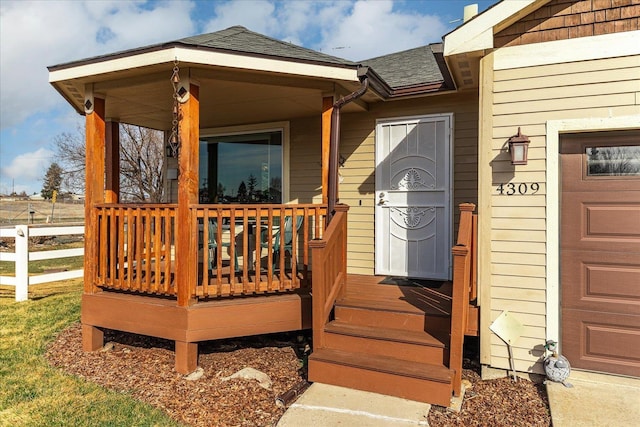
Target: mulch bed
{"x":143,"y":367}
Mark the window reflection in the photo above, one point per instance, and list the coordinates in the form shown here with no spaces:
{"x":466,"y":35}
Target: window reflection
{"x":613,"y":161}
{"x":241,"y":168}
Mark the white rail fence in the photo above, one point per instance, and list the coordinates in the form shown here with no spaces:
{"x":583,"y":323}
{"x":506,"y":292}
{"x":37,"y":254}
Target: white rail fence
{"x":22,"y":256}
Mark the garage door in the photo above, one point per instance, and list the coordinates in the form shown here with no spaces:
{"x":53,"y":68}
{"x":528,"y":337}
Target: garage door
{"x":600,"y":251}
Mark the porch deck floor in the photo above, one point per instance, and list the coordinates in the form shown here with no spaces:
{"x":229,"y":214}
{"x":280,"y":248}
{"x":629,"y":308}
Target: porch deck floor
{"x":411,"y":296}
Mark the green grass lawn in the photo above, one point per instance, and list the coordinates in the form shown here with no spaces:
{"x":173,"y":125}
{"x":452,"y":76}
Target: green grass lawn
{"x":34,"y":394}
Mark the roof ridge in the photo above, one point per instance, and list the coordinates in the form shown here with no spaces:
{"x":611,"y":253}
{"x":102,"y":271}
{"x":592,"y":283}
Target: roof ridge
{"x":230,"y":32}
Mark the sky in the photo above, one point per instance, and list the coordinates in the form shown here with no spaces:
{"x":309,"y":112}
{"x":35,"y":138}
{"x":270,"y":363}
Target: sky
{"x":37,"y":34}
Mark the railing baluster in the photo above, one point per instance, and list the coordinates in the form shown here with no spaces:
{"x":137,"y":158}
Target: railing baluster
{"x":113,"y":246}
{"x":245,"y":250}
{"x":236,"y":288}
{"x":256,"y":245}
{"x":147,"y":249}
{"x":206,"y":252}
{"x":294,"y":249}
{"x":168,"y":224}
{"x":157,"y":248}
{"x":305,"y":246}
{"x":268,"y":234}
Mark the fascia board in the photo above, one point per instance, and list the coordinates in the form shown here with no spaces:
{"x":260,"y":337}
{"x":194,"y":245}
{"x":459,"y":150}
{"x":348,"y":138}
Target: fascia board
{"x":477,"y":34}
{"x":570,"y":50}
{"x":204,"y":57}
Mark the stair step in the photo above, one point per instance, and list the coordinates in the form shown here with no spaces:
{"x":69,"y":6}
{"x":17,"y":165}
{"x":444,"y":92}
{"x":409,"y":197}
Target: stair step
{"x":394,"y":316}
{"x":387,"y":334}
{"x":413,"y":346}
{"x":422,"y":382}
{"x":380,"y":318}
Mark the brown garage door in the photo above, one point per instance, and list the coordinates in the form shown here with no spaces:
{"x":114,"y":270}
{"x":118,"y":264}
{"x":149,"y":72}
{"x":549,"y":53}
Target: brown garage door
{"x":600,"y":251}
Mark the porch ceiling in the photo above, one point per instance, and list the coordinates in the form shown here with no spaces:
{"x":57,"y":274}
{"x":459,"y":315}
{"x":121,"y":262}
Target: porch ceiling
{"x":143,"y":96}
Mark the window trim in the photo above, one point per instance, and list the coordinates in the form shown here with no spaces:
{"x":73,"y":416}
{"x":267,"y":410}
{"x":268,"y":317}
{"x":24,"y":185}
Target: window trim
{"x":259,"y":128}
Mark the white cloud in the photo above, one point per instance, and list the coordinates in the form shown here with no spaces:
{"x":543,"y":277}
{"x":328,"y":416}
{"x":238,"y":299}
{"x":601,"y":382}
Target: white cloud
{"x":256,"y":15}
{"x":35,"y":35}
{"x":28,"y":166}
{"x":353,"y":30}
{"x":373,"y":28}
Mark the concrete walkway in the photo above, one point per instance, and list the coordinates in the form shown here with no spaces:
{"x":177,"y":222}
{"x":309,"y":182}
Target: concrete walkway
{"x":325,"y":405}
{"x":595,"y":400}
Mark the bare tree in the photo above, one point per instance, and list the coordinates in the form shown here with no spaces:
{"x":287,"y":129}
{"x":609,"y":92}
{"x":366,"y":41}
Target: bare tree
{"x":141,"y":162}
{"x":70,"y":155}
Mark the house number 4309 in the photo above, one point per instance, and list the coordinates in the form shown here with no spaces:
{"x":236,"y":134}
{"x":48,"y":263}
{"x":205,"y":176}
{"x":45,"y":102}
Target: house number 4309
{"x":511,"y":188}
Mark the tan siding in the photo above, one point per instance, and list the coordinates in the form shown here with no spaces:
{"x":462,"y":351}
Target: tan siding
{"x":612,"y":64}
{"x":522,"y":282}
{"x":528,"y":98}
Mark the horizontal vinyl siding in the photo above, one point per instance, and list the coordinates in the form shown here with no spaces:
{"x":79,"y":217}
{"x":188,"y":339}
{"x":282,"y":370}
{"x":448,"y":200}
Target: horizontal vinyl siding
{"x":528,"y":97}
{"x":357,"y":145}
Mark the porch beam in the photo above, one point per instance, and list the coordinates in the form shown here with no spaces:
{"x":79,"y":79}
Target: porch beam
{"x":187,"y":195}
{"x":94,"y":187}
{"x":112,"y":166}
{"x":327,"y":109}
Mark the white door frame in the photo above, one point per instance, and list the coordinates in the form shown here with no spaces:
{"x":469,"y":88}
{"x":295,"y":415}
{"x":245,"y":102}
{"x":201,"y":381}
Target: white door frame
{"x":449,"y":165}
{"x":554,"y":129}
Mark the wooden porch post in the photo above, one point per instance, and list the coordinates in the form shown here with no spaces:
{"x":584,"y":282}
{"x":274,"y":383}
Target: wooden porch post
{"x":460,"y":293}
{"x":327,"y":109}
{"x":94,"y":188}
{"x":187,"y":195}
{"x":112,"y":156}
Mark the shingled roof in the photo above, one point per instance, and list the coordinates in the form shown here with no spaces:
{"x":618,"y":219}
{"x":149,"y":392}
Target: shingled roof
{"x":408,"y":68}
{"x":400,"y":71}
{"x":241,"y":40}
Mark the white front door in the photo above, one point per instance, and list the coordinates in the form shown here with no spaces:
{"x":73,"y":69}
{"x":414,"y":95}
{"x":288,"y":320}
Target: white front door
{"x":413,"y":197}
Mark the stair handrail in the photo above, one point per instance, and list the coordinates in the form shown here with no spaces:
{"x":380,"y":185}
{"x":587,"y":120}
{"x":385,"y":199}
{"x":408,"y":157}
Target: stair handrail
{"x":328,"y":272}
{"x":462,"y":289}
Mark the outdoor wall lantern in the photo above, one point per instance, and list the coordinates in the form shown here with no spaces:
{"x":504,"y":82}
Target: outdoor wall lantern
{"x":519,"y":148}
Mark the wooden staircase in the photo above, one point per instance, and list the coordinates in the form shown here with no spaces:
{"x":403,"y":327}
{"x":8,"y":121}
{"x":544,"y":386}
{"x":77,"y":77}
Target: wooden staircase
{"x":383,"y":337}
{"x":378,"y":342}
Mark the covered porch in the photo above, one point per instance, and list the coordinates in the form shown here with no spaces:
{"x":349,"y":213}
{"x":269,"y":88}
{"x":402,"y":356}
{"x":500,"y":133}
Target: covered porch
{"x":209,"y":263}
{"x":190,"y":271}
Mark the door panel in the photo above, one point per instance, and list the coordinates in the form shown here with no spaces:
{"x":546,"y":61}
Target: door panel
{"x":605,"y":342}
{"x":600,"y":252}
{"x":413,"y":213}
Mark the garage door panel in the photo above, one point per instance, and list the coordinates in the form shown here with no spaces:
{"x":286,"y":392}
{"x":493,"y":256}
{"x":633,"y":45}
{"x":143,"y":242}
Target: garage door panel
{"x":602,"y":341}
{"x":600,"y":251}
{"x":604,"y":281}
{"x":602,"y":222}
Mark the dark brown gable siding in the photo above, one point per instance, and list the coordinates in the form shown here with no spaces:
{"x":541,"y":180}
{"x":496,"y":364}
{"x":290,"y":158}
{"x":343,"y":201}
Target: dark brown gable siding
{"x":568,"y":19}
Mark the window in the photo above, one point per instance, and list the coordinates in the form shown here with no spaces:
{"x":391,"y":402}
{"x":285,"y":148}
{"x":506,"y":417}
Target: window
{"x":242,"y":168}
{"x":613,"y":160}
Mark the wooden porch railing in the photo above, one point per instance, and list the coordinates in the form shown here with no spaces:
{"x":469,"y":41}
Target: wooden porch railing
{"x":271,"y":240}
{"x":464,"y":277}
{"x":329,"y":272}
{"x":136,"y":248}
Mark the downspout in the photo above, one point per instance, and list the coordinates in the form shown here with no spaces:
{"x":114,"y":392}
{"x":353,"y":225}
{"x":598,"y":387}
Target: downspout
{"x":334,"y":143}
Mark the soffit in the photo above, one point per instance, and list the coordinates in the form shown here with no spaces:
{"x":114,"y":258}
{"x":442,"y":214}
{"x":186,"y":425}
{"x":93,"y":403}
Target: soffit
{"x":227,"y":96}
